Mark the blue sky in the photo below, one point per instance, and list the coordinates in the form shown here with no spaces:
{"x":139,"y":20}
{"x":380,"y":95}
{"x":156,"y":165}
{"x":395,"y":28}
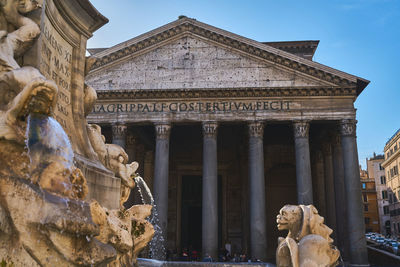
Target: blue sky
{"x":361,"y":37}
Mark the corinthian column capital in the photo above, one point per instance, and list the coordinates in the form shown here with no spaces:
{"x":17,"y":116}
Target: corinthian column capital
{"x":163,"y":130}
{"x":348,"y":127}
{"x":256,"y":129}
{"x":119,"y":129}
{"x":301,"y":129}
{"x":210,"y":129}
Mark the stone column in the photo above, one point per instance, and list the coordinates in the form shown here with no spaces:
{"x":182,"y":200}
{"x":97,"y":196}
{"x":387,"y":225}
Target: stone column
{"x":258,"y":231}
{"x":160,"y":182}
{"x":210,"y":191}
{"x":329,"y":188}
{"x":303,"y":166}
{"x":355,"y":223}
{"x":320,"y":182}
{"x":340,"y":196}
{"x":119,"y":135}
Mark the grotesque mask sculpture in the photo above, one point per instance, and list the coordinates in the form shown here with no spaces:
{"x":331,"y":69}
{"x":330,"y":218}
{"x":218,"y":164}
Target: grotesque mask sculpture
{"x":307,"y":243}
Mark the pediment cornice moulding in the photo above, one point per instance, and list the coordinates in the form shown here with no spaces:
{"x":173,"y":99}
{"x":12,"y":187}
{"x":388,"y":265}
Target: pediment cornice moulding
{"x":227,"y":93}
{"x":184,"y":26}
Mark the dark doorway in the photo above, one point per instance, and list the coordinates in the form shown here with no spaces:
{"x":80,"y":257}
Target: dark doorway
{"x":191,"y":211}
{"x":192,"y":189}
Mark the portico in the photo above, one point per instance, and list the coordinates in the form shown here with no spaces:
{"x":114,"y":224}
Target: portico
{"x":243,"y":119}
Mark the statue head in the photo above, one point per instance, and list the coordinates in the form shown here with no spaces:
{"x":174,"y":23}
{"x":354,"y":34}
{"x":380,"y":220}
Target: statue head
{"x":302,"y":220}
{"x":308,"y":242}
{"x":290,"y":218}
{"x":26,"y":6}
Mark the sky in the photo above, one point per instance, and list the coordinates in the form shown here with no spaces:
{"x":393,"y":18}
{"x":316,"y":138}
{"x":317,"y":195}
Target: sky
{"x":360,"y":37}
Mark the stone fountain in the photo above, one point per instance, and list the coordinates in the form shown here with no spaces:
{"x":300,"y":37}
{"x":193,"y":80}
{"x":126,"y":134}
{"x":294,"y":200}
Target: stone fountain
{"x":62,"y":188}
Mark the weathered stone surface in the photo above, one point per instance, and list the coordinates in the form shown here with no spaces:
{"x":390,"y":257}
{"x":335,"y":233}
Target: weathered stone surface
{"x":154,"y":263}
{"x":191,"y":62}
{"x":308,"y":242}
{"x":58,"y":53}
{"x":44,"y":220}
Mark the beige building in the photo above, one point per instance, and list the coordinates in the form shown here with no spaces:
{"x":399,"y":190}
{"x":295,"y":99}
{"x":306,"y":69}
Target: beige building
{"x":377,"y":173}
{"x":391,"y":165}
{"x":227,"y":130}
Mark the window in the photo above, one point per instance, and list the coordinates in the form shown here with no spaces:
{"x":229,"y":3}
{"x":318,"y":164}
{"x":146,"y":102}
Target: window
{"x":390,"y":198}
{"x":365,"y":207}
{"x":383,"y":179}
{"x":395,"y":147}
{"x":364,"y":186}
{"x":385,"y":210}
{"x":391,"y":172}
{"x":387,"y":155}
{"x":395,"y":170}
{"x":380,"y":167}
{"x":365,"y":197}
{"x":384,"y":194}
{"x":367,"y":220}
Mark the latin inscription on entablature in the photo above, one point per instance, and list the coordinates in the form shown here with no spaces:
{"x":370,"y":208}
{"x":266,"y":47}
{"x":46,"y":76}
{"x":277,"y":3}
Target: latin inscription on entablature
{"x":194,"y":106}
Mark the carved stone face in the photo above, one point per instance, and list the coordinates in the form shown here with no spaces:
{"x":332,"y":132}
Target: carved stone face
{"x":26,"y":6}
{"x":289,"y":217}
{"x":40,"y":100}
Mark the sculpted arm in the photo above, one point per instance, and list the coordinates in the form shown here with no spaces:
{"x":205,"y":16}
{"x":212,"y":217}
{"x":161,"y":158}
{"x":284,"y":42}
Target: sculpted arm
{"x":26,"y":29}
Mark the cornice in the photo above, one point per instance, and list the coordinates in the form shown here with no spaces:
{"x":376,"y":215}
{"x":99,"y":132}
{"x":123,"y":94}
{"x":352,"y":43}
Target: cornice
{"x":392,"y":158}
{"x":391,"y":141}
{"x":260,"y":50}
{"x":225,"y":93}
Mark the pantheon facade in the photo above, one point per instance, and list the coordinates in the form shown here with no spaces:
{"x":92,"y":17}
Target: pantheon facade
{"x":227,"y":130}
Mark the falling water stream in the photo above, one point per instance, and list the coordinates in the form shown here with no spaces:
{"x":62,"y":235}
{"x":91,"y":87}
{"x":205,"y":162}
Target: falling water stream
{"x":47,"y":142}
{"x":157,"y":249}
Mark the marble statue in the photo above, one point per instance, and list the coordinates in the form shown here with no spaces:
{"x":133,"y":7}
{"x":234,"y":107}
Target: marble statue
{"x":114,"y":158}
{"x":22,"y":89}
{"x":308,"y":243}
{"x":45,"y":216}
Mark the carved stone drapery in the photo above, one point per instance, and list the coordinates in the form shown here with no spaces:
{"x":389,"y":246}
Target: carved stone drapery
{"x":301,"y":129}
{"x":210,"y":129}
{"x":256,"y":129}
{"x":348,"y":127}
{"x":163,"y":130}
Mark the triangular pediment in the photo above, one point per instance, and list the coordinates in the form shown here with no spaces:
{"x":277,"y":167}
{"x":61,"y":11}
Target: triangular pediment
{"x":192,"y":62}
{"x":192,"y":54}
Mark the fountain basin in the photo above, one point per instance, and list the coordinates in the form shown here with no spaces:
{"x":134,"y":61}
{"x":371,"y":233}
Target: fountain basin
{"x":155,"y":263}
